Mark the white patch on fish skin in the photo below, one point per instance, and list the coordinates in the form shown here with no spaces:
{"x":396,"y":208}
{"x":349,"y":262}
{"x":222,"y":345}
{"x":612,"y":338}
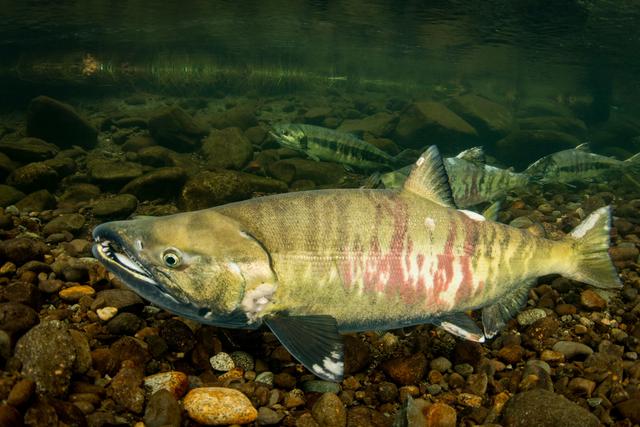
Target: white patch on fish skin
{"x":475,"y":216}
{"x":430,"y":223}
{"x":458,"y":331}
{"x":584,"y":227}
{"x":235,"y":268}
{"x":138,"y":244}
{"x":256,"y":300}
{"x":336,"y":367}
{"x":420,"y":161}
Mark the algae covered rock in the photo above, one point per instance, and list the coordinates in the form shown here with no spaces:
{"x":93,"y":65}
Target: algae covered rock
{"x":163,"y":183}
{"x":213,"y":188}
{"x":176,"y":129}
{"x":227,"y":148}
{"x":289,"y":170}
{"x":29,"y":149}
{"x":58,"y":123}
{"x":491,"y":119}
{"x":9,"y":195}
{"x":426,"y":122}
{"x":33,"y":176}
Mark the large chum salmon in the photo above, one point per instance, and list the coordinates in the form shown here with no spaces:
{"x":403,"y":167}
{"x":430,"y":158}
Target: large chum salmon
{"x":311,"y":265}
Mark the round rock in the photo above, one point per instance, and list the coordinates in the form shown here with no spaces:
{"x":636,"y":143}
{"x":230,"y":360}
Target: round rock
{"x":222,"y":362}
{"x":329,"y":411}
{"x":120,"y":206}
{"x":545,"y":409}
{"x":33,"y":176}
{"x":47,"y":353}
{"x":72,"y":223}
{"x":219,"y":405}
{"x":572,"y":349}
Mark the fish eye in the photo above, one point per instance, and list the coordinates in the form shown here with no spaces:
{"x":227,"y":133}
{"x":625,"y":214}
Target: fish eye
{"x":172,"y":258}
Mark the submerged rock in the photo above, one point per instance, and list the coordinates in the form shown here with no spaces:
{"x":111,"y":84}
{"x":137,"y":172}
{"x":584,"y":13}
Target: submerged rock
{"x":379,"y":124}
{"x":33,"y":176}
{"x":523,"y":147}
{"x":9,"y":195}
{"x":570,"y":125}
{"x":113,"y":173}
{"x":242,"y":116}
{"x":432,"y":121}
{"x":29,"y":150}
{"x":58,"y":123}
{"x":213,"y":188}
{"x":491,"y":119}
{"x":176,"y":129}
{"x":48,"y":355}
{"x":120,"y":206}
{"x":6,"y":166}
{"x":162,"y":410}
{"x":227,"y":148}
{"x":163,"y":183}
{"x":219,"y":406}
{"x":36,"y":201}
{"x":321,"y":173}
{"x":545,"y":409}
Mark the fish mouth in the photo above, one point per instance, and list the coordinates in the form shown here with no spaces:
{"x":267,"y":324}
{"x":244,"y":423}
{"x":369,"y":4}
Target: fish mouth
{"x":111,"y":250}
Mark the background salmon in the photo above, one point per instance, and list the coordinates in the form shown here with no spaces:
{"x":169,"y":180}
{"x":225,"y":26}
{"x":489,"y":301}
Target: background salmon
{"x":313,"y":264}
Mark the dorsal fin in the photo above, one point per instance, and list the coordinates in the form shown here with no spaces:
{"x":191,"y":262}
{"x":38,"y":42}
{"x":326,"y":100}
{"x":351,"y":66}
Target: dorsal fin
{"x":473,"y":154}
{"x":583,"y":147}
{"x":429,"y":179}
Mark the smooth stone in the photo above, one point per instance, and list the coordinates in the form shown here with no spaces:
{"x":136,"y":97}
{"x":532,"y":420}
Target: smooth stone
{"x":378,"y":124}
{"x":329,"y":411}
{"x":162,"y":410}
{"x":21,"y":392}
{"x":591,"y":300}
{"x":22,"y":250}
{"x":163,"y":183}
{"x":58,"y":123}
{"x":125,"y":388}
{"x":124,"y":324}
{"x":9,"y":195}
{"x":219,"y":406}
{"x":28,"y":150}
{"x":406,"y":370}
{"x":47,"y":353}
{"x":121,"y":299}
{"x":64,"y":166}
{"x":33,"y":177}
{"x":242,"y":116}
{"x":119,"y":206}
{"x":544,"y":408}
{"x":440,"y":415}
{"x":16,"y":317}
{"x":320,"y":173}
{"x":6,"y":166}
{"x":106,"y":313}
{"x":227,"y":149}
{"x":268,"y":417}
{"x":72,"y":223}
{"x":83,"y":351}
{"x":113,"y":172}
{"x":37,"y":201}
{"x":489,"y":118}
{"x":175,"y":129}
{"x":74,"y":293}
{"x":572,"y":349}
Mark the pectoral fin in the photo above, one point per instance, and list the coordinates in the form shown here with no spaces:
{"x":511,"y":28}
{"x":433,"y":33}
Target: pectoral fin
{"x":461,"y":325}
{"x":314,"y":341}
{"x":496,"y":316}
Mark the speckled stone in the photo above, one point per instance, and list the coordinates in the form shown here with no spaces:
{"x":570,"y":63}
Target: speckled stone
{"x":219,"y":406}
{"x":173,"y":381}
{"x":528,"y":317}
{"x":222,"y":362}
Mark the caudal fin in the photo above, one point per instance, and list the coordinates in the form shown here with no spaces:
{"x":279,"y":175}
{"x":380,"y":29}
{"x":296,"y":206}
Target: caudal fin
{"x":594,"y":265}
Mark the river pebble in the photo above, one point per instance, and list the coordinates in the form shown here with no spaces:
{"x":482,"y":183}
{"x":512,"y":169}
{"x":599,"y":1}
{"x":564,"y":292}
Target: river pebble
{"x":219,"y":406}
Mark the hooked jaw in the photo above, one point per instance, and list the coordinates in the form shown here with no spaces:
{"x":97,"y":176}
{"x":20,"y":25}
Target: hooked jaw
{"x":117,"y":255}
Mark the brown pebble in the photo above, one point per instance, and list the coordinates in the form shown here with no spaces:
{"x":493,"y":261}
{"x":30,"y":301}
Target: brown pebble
{"x":21,"y":392}
{"x":580,"y":329}
{"x":551,"y":356}
{"x":74,"y":293}
{"x":440,"y":415}
{"x":329,"y":411}
{"x":284,"y":380}
{"x":566,"y":309}
{"x":175,"y":382}
{"x":591,"y":300}
{"x":623,"y":253}
{"x":582,"y":386}
{"x":511,"y":353}
{"x":9,"y":416}
{"x":470,"y":400}
{"x":406,"y":370}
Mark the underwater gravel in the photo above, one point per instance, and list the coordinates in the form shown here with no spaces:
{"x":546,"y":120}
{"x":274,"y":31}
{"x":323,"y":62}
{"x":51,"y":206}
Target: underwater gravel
{"x":79,"y":349}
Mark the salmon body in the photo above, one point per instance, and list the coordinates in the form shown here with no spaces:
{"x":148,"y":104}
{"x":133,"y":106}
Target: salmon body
{"x":313,"y":264}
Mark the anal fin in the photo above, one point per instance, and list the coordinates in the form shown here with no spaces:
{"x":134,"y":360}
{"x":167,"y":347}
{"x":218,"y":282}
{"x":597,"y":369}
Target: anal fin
{"x":314,"y":341}
{"x":496,"y":315}
{"x":461,"y":325}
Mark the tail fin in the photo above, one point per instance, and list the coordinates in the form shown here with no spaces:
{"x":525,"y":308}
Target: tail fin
{"x":594,"y":265}
{"x":635,"y":159}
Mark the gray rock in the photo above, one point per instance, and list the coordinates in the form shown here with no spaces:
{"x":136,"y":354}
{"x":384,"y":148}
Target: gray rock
{"x":175,"y":129}
{"x":59,"y":123}
{"x":33,"y":176}
{"x":213,"y":188}
{"x":120,"y":206}
{"x":441,"y":364}
{"x":47,"y":354}
{"x":37,"y":201}
{"x":9,"y":195}
{"x":162,"y":410}
{"x":227,"y":148}
{"x":492,"y":120}
{"x":523,"y":147}
{"x":113,"y":173}
{"x":163,"y":183}
{"x":572,"y":349}
{"x":72,"y":223}
{"x":432,"y":121}
{"x":379,"y":124}
{"x":124,"y":324}
{"x":545,"y":409}
{"x":29,"y":150}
